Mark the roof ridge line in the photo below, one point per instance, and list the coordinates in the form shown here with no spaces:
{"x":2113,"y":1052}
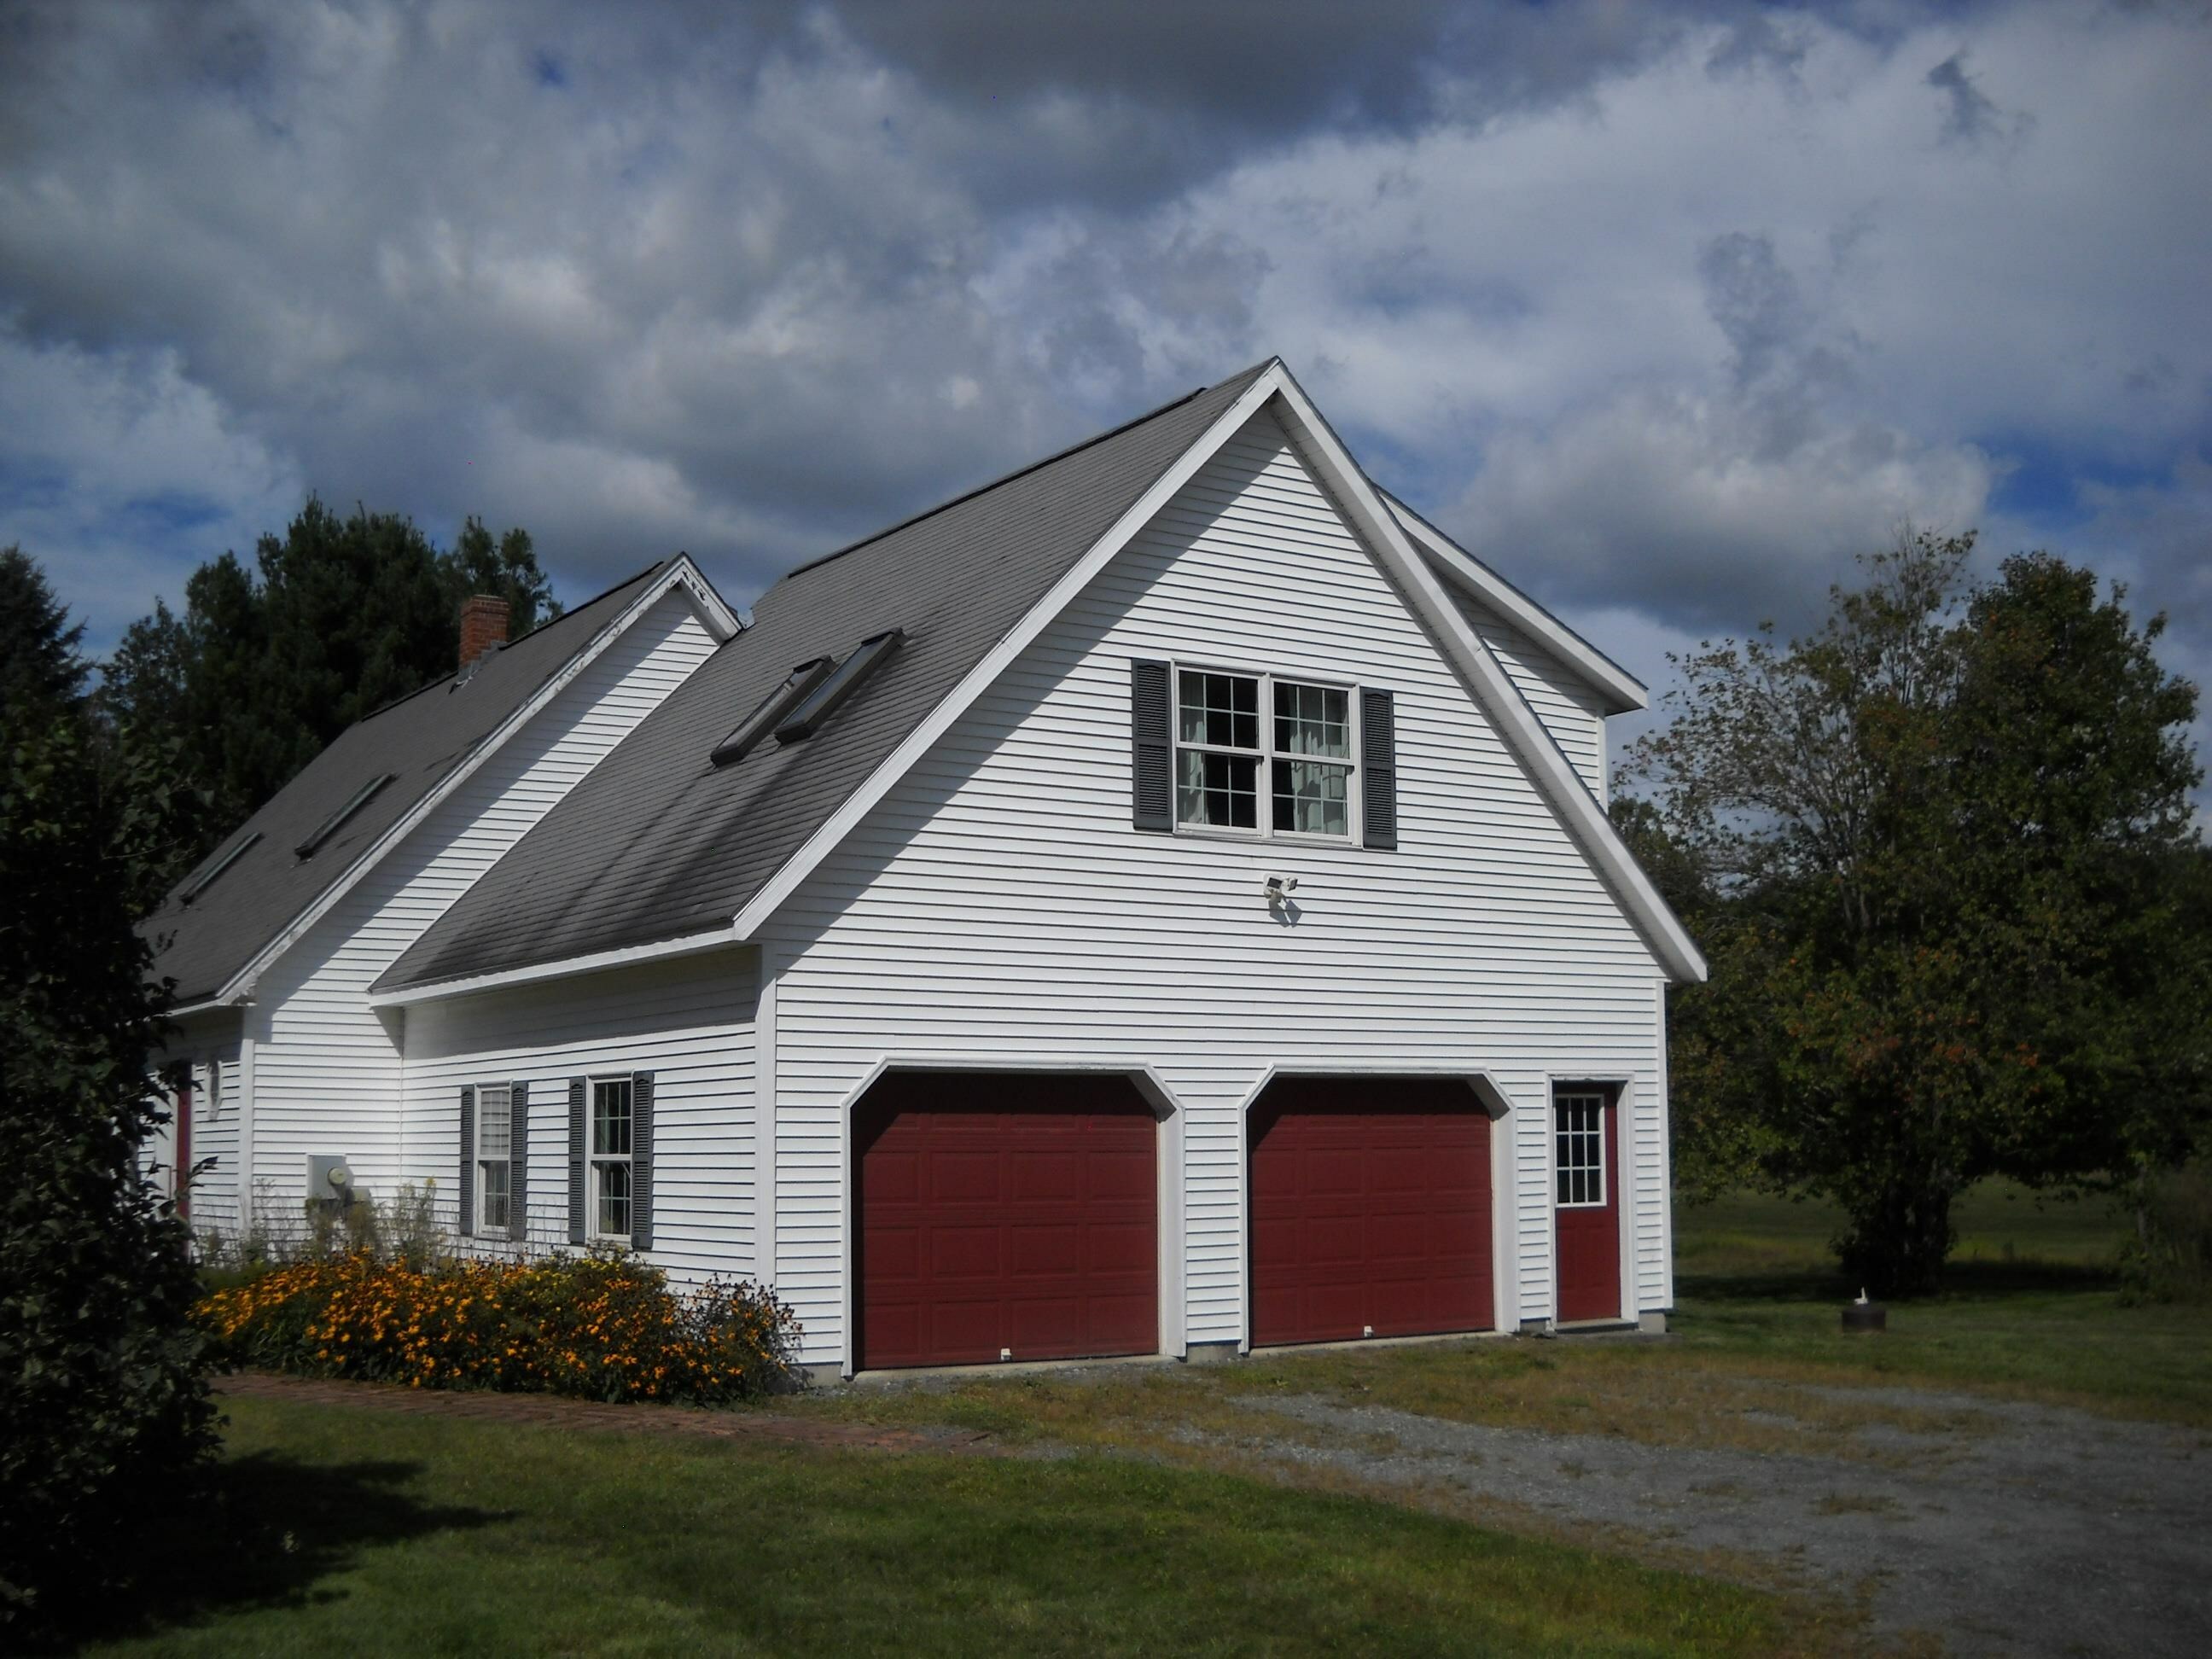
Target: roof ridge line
{"x":1019,"y":473}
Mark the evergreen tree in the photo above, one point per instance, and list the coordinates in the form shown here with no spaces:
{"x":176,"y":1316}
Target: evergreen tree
{"x":102,"y":1404}
{"x":338,"y":617}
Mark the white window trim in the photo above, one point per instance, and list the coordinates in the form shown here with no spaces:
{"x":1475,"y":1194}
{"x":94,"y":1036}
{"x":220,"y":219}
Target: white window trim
{"x":485,"y":1229}
{"x":593,"y":1160}
{"x":1266,"y":754}
{"x":1604,"y":1198}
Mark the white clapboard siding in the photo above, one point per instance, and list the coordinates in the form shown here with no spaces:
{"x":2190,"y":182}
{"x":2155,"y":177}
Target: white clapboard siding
{"x":689,"y":1022}
{"x":997,"y":905}
{"x":207,"y":1043}
{"x":326,"y":1065}
{"x":1569,"y":708}
{"x":214,"y":1136}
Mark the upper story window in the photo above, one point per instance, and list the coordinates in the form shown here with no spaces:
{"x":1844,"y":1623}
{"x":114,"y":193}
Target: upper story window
{"x":1250,"y":744}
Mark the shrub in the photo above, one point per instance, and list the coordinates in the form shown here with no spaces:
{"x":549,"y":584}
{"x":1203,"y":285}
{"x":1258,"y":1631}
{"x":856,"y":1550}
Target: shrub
{"x":104,"y":1410}
{"x":2172,"y":1261}
{"x":603,"y":1326}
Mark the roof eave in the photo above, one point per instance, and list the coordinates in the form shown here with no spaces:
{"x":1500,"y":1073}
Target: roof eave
{"x":1621,"y":692}
{"x":442,"y":990}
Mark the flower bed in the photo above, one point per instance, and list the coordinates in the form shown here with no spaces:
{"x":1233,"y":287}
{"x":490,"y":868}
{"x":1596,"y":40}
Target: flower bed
{"x":598,"y":1327}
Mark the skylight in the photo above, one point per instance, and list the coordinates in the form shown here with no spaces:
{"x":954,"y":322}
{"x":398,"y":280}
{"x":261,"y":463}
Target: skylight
{"x":329,"y":826}
{"x":200,"y":883}
{"x":771,"y":711}
{"x":824,"y":701}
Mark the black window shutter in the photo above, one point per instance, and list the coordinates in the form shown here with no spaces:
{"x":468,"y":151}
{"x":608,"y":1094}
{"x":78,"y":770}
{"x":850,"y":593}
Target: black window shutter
{"x":1378,"y":764}
{"x":641,"y":1160}
{"x":468,"y":1163}
{"x":575,"y":1160}
{"x":518,"y":1168}
{"x":1152,"y":737}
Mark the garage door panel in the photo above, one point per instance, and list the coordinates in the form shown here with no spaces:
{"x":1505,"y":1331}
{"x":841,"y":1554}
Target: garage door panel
{"x":1005,"y":1213}
{"x":965,"y":1176}
{"x":1127,"y":1177}
{"x":957,"y":1326}
{"x":1332,"y":1241}
{"x":1128,"y":1247}
{"x":970,"y":1252}
{"x":1371,"y":1208}
{"x":897,"y":1252}
{"x":898,"y":1178}
{"x":1054,"y":1177}
{"x":1050,"y":1253}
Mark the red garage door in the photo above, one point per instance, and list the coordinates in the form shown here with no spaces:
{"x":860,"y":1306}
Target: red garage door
{"x":1371,"y":1209}
{"x":1010,"y":1214}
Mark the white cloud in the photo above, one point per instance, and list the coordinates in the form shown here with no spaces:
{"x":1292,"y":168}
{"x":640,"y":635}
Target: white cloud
{"x":115,"y":468}
{"x":1667,"y":314}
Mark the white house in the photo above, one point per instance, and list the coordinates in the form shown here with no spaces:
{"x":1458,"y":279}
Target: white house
{"x":1161,"y":902}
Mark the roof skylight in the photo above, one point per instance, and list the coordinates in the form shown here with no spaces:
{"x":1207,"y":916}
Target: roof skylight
{"x":330,"y":826}
{"x":222,"y":861}
{"x":773,"y":707}
{"x":824,"y":701}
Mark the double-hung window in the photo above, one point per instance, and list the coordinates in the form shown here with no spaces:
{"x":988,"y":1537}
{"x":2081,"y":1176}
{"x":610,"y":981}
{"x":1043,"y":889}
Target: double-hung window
{"x":610,"y":1197}
{"x":1579,"y":1129}
{"x":1249,"y":744}
{"x":495,"y":1153}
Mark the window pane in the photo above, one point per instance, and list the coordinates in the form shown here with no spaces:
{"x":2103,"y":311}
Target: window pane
{"x":610,"y":1117}
{"x":1580,"y":1140}
{"x":1312,"y":719}
{"x":1310,"y":797}
{"x":1221,"y":709}
{"x":492,"y":1182}
{"x":614,"y":1200}
{"x":1217,"y":789}
{"x":494,"y":1117}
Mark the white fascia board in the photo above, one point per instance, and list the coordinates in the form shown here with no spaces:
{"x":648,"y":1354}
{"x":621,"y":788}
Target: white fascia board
{"x":723,"y":622}
{"x":717,"y":617}
{"x":1556,"y":779}
{"x":691,"y":944}
{"x":1622,"y":691}
{"x":1018,"y":639}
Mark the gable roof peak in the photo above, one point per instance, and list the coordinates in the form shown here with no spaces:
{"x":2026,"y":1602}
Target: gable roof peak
{"x":1004,"y":478}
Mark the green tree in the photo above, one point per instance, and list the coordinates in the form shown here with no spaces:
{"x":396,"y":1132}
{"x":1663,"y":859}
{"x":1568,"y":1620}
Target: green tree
{"x":1933,"y":837}
{"x":102,"y":1404}
{"x":336,"y":618}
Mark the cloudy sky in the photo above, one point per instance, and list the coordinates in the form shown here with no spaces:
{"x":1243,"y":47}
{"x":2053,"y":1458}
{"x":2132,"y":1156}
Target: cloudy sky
{"x":1665,"y":310}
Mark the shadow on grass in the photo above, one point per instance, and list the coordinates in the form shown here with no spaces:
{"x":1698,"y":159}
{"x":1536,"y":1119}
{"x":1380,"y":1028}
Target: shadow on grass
{"x":265,"y":1531}
{"x":1963,"y":1281}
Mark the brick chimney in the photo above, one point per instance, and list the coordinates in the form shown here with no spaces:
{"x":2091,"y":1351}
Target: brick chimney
{"x":484,"y":626}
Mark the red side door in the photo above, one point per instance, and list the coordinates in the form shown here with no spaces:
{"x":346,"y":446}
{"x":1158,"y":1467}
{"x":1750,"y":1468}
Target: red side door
{"x":1586,"y":1194}
{"x":1003,"y":1214}
{"x":1371,"y":1209}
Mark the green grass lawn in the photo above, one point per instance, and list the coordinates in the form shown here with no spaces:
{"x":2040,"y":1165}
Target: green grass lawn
{"x":2032,"y":1306}
{"x":370,"y":1532}
{"x":366,"y":1531}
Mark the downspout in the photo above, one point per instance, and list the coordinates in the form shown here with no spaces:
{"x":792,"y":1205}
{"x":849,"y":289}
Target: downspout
{"x":245,"y":1123}
{"x":180,"y":1176}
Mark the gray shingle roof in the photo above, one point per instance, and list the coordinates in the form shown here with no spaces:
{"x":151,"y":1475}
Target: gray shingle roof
{"x":658,"y":843}
{"x":420,"y":738}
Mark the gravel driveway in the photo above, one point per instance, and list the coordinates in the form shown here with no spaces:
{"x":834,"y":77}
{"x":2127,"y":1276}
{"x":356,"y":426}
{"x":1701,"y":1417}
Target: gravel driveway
{"x":2046,"y":1531}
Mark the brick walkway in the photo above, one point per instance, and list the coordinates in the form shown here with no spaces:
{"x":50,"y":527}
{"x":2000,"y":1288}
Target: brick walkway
{"x":551,"y":1411}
